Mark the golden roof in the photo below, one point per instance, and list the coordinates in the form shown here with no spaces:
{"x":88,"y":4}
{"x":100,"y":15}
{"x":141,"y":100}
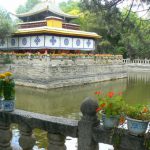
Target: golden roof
{"x":56,"y":31}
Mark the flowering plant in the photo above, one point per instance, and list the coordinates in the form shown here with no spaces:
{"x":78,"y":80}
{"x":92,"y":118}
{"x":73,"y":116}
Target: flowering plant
{"x":139,"y":112}
{"x":9,"y":87}
{"x":2,"y":76}
{"x":64,"y":54}
{"x":110,"y":103}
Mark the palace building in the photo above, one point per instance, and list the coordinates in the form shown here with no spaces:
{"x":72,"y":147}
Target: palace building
{"x":47,"y":27}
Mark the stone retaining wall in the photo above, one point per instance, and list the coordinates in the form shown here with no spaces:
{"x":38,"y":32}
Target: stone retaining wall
{"x":42,"y":74}
{"x":138,"y":67}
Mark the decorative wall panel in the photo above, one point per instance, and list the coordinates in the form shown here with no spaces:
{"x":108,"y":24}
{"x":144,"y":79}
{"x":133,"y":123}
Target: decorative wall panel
{"x":13,"y":42}
{"x":3,"y":43}
{"x":78,"y":43}
{"x":66,"y":42}
{"x":88,"y":43}
{"x":47,"y":42}
{"x":37,"y":41}
{"x":24,"y":42}
{"x":52,"y":41}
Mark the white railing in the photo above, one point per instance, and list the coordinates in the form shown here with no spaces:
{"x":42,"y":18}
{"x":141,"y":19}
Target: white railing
{"x":136,"y":61}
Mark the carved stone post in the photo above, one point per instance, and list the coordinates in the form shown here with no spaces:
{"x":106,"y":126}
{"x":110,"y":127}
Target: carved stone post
{"x":26,"y":140}
{"x":86,"y":124}
{"x":56,"y":142}
{"x":5,"y":136}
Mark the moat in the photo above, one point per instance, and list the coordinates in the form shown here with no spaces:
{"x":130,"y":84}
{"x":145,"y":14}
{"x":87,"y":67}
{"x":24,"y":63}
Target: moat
{"x":65,"y":102}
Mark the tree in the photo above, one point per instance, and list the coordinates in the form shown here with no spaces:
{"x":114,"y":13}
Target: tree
{"x":28,"y":6}
{"x":127,"y":33}
{"x":73,"y":8}
{"x":6,"y":24}
{"x":97,"y":5}
{"x":70,"y":7}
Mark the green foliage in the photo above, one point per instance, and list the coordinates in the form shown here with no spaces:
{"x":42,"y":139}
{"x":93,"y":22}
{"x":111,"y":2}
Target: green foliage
{"x":120,"y":50}
{"x":1,"y":88}
{"x":139,"y":112}
{"x":111,"y":103}
{"x":6,"y":24}
{"x":136,"y":37}
{"x":104,"y":46}
{"x":28,"y":6}
{"x":125,"y":31}
{"x":9,"y":89}
{"x":105,"y":43}
{"x":71,"y":7}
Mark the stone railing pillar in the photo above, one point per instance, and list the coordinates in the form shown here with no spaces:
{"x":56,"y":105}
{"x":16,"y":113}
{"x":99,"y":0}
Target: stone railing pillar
{"x":86,"y":124}
{"x":56,"y":142}
{"x":26,"y":140}
{"x":5,"y":136}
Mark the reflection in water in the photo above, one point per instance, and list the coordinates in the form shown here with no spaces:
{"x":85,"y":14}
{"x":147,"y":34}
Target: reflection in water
{"x":138,"y":88}
{"x":63,"y":101}
{"x":66,"y":101}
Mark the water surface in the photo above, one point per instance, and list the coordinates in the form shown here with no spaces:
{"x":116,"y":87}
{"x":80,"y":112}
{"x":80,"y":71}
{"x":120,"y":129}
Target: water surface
{"x":65,"y":102}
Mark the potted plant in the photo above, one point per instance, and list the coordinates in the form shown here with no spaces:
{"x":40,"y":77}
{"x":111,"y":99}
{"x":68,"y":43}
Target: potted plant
{"x":138,"y":118}
{"x":2,"y":76}
{"x":111,"y":107}
{"x":9,"y":92}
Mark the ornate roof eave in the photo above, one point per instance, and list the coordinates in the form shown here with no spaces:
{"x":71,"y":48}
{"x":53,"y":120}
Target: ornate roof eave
{"x":46,"y":7}
{"x":40,"y":11}
{"x":28,"y":14}
{"x":57,"y":31}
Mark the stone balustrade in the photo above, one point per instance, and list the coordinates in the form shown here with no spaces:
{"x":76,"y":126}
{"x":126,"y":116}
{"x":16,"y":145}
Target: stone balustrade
{"x":136,"y":61}
{"x":88,"y":130}
{"x":57,"y":129}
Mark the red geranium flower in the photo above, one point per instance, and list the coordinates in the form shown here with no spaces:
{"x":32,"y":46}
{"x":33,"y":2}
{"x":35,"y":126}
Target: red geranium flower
{"x":110,"y":94}
{"x":98,"y":92}
{"x":98,"y":109}
{"x":103,"y":105}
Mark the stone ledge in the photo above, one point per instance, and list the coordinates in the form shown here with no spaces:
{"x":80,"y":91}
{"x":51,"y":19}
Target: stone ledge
{"x":56,"y":125}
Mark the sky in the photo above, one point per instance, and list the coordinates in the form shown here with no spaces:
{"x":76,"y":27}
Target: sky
{"x":12,"y":5}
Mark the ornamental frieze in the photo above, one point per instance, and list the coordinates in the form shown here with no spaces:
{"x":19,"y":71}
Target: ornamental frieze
{"x":48,"y":42}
